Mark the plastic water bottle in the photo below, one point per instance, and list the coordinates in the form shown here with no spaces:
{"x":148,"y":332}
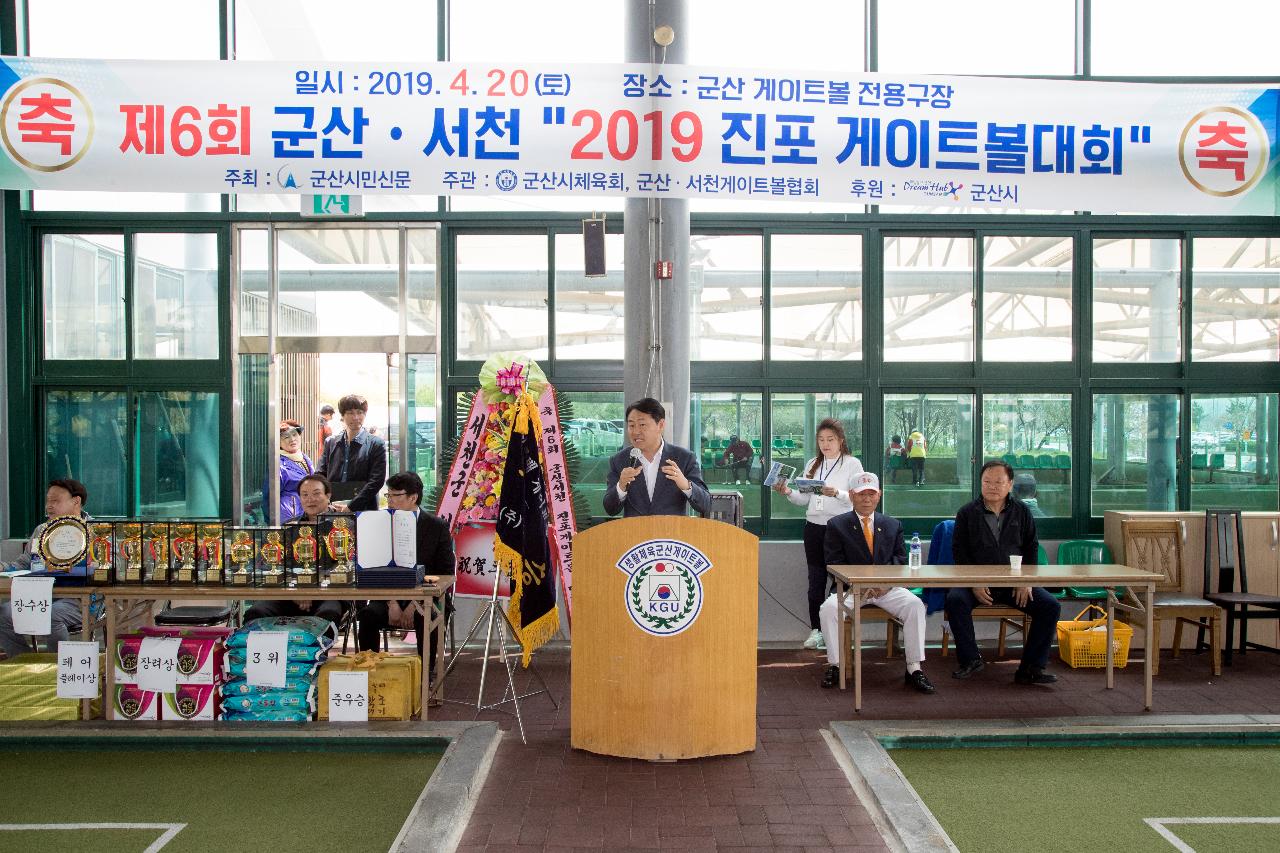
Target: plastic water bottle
{"x":913,"y":560}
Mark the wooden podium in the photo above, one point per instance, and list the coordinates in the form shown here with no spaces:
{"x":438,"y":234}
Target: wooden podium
{"x":664,"y":647}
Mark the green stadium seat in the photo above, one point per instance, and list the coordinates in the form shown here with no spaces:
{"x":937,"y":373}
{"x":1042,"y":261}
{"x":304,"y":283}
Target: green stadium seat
{"x":1011,"y":459}
{"x":1199,"y":460}
{"x":1217,"y":460}
{"x":1026,"y":460}
{"x":1062,"y":461}
{"x":1085,"y":552}
{"x":1043,"y":560}
{"x":755,"y":444}
{"x":1044,"y":460}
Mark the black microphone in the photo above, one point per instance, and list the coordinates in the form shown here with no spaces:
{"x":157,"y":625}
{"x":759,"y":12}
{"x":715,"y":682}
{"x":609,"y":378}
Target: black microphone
{"x":637,"y":458}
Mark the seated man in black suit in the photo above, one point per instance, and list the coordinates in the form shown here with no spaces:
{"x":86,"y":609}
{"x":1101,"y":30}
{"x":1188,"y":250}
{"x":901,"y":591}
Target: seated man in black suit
{"x":435,"y":554}
{"x":865,"y":537}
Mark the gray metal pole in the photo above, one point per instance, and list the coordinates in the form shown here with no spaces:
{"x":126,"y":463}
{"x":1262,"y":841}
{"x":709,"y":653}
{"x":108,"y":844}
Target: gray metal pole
{"x":657,"y":317}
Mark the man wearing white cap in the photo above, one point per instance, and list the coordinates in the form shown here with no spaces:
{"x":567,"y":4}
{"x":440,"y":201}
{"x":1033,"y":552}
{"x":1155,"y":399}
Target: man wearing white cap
{"x":865,"y":537}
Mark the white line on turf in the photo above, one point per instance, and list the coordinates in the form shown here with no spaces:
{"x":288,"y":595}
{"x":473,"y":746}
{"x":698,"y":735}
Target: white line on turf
{"x":1159,"y":825}
{"x":170,"y":829}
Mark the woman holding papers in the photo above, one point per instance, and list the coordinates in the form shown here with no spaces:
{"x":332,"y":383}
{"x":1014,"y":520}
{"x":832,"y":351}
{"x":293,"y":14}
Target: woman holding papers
{"x":824,"y":491}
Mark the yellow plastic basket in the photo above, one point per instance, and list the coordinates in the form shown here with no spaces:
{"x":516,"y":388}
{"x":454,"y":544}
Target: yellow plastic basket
{"x":1083,"y":642}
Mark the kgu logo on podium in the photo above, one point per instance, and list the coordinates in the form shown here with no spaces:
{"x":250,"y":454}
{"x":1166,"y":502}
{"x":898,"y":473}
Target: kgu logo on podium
{"x":663,"y":590}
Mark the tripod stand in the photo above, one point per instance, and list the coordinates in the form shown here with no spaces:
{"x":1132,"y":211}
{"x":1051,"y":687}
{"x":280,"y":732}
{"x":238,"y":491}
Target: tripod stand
{"x":498,"y":620}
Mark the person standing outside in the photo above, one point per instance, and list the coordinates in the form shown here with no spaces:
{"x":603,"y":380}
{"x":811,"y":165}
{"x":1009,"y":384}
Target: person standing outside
{"x":354,"y":456}
{"x":837,"y":468}
{"x":917,"y":449}
{"x":865,"y":537}
{"x":652,"y":477}
{"x":988,"y":531}
{"x":323,"y":429}
{"x":737,"y":458}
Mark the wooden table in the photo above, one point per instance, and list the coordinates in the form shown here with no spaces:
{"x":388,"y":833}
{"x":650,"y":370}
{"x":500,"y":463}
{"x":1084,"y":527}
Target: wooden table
{"x":859,"y":578}
{"x":85,"y":594}
{"x":430,"y":596}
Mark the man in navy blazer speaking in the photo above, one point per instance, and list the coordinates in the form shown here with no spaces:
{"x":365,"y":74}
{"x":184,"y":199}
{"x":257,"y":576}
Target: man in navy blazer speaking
{"x":652,"y":477}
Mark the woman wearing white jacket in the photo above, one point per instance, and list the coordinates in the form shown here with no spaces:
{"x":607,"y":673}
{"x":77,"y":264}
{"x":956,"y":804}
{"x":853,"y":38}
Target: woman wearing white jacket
{"x":836,"y":467}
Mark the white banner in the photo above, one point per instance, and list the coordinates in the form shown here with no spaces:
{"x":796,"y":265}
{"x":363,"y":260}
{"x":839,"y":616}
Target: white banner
{"x":678,"y":131}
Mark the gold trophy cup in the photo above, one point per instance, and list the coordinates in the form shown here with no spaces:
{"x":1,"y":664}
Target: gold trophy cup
{"x":210,"y":549}
{"x":338,"y":543}
{"x":183,"y":543}
{"x":100,"y":553}
{"x":241,"y":553}
{"x":273,"y":556}
{"x":131,"y":552}
{"x":156,"y":548}
{"x":304,"y":553}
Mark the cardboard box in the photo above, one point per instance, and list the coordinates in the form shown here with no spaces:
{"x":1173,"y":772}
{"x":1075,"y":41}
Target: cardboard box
{"x":395,"y":683}
{"x":191,"y":702}
{"x":133,"y":704}
{"x":29,"y":669}
{"x":199,"y":657}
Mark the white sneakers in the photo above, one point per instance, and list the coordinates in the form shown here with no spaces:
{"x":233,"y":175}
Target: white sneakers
{"x":814,"y":640}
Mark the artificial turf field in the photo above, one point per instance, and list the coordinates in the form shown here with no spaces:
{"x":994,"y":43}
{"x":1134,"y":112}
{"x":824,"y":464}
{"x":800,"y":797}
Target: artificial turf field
{"x":229,"y":799}
{"x":1093,"y":798}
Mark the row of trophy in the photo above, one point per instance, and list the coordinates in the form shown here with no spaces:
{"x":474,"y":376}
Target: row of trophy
{"x":213,"y":553}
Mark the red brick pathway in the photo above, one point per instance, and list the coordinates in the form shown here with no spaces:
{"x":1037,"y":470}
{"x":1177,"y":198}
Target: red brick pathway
{"x":789,"y":795}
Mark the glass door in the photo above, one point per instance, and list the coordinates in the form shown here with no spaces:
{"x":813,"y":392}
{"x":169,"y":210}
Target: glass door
{"x":324,"y":311}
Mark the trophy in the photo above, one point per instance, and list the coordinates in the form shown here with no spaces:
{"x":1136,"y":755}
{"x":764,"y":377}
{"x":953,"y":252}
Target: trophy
{"x":305,"y":551}
{"x":340,"y":543}
{"x":101,"y":552}
{"x":155,"y":552}
{"x":129,"y":543}
{"x":209,"y":549}
{"x":241,"y":553}
{"x":272,"y":551}
{"x":182,"y":545}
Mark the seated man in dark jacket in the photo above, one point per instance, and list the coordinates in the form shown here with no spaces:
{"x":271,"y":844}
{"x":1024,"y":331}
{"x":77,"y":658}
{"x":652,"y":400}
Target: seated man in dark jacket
{"x":355,"y":456}
{"x":435,"y":554}
{"x":988,"y":531}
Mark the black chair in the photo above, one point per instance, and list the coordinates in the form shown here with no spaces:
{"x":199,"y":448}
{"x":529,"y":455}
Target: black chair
{"x":198,"y":615}
{"x":1224,"y":538}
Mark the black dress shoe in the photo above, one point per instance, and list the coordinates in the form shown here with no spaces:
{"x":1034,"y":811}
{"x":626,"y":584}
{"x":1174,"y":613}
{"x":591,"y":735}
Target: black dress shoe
{"x":968,"y":669}
{"x":831,"y":678}
{"x":919,"y":681}
{"x":1033,"y":676}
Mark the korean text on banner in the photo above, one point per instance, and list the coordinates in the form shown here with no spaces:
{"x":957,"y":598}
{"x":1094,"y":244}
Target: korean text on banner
{"x":676,"y":131}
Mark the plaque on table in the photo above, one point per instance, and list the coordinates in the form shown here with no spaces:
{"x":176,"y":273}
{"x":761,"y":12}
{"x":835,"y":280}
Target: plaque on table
{"x":63,"y":543}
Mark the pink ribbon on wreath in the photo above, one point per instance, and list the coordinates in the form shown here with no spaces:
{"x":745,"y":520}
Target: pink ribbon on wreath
{"x":511,"y":379}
